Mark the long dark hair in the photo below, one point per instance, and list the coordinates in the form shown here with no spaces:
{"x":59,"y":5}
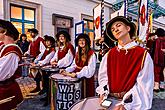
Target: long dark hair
{"x":83,"y":55}
{"x":22,"y":36}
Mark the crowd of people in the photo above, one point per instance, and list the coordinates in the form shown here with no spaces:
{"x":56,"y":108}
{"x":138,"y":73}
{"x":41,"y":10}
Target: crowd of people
{"x":129,"y":72}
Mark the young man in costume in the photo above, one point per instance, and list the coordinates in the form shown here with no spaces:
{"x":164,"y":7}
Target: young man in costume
{"x":127,"y":69}
{"x":10,"y":55}
{"x":36,"y":47}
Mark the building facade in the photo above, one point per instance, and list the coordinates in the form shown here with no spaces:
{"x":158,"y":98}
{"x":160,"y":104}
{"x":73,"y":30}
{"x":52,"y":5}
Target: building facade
{"x":50,"y":16}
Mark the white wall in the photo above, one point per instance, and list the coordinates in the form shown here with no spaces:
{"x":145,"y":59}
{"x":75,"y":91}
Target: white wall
{"x":72,"y":8}
{"x":1,"y":9}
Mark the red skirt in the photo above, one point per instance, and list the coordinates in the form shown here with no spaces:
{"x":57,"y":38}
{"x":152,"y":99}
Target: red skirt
{"x":9,"y":90}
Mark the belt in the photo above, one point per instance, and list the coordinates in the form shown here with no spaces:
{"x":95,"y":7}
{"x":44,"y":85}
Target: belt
{"x":118,"y":95}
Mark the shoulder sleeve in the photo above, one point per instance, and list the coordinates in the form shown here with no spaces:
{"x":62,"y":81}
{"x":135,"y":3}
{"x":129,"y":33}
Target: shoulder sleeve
{"x":11,"y":49}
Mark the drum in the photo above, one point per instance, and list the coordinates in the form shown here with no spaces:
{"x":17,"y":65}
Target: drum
{"x":96,"y":84}
{"x":25,"y":63}
{"x":34,"y":70}
{"x":92,"y":103}
{"x":50,"y":69}
{"x":65,"y":91}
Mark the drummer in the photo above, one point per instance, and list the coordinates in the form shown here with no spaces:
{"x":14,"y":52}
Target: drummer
{"x":44,"y":58}
{"x":36,"y":45}
{"x":10,"y":55}
{"x":84,"y":65}
{"x":126,"y":71}
{"x":65,"y":51}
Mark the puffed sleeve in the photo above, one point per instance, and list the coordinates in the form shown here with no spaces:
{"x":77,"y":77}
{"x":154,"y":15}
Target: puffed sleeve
{"x":8,"y":66}
{"x":142,"y":91}
{"x":88,"y":71}
{"x":67,"y":60}
{"x":102,"y":76}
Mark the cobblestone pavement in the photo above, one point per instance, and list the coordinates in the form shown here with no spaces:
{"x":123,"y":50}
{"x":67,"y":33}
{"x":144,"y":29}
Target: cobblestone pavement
{"x":32,"y":101}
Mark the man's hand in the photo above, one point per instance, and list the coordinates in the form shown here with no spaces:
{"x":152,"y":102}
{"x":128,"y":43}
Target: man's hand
{"x":119,"y":107}
{"x":163,"y":50}
{"x":101,"y":99}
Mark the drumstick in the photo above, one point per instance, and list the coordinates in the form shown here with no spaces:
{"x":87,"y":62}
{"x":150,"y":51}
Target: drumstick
{"x":6,"y":100}
{"x":23,"y":64}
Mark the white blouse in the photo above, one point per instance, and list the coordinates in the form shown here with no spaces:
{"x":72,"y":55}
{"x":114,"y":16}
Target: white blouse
{"x":8,"y":65}
{"x":46,"y":60}
{"x":87,"y":71}
{"x":65,"y":61}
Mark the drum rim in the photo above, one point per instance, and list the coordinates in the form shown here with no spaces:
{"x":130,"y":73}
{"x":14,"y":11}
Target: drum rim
{"x":82,"y":100}
{"x":65,"y":80}
{"x":51,"y":70}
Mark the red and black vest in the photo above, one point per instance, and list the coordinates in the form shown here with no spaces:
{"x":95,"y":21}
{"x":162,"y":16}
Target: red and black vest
{"x":35,"y":47}
{"x":81,"y":64}
{"x":10,"y":87}
{"x":62,"y":53}
{"x":47,"y":51}
{"x":123,"y":68}
{"x":88,"y":83}
{"x":12,"y":49}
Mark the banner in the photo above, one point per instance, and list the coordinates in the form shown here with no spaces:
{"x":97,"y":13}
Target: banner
{"x":150,"y":23}
{"x":122,"y":11}
{"x":143,"y":20}
{"x":97,"y":21}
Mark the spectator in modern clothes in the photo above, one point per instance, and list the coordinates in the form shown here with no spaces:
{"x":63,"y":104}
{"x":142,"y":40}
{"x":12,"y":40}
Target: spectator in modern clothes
{"x":23,"y":43}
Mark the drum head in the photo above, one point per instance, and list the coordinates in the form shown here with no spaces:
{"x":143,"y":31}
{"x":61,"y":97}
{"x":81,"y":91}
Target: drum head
{"x":60,"y":77}
{"x":27,"y":59}
{"x":49,"y":68}
{"x":91,"y":103}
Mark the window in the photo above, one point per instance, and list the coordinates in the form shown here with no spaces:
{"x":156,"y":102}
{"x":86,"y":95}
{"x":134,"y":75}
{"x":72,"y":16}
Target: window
{"x":88,"y":27}
{"x":23,"y":18}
